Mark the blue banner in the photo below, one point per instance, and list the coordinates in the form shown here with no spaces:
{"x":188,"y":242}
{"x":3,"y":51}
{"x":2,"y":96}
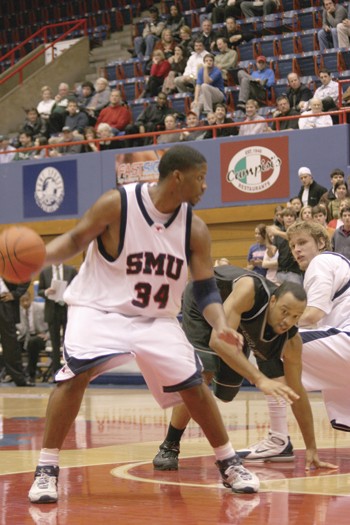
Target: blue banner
{"x":50,"y":189}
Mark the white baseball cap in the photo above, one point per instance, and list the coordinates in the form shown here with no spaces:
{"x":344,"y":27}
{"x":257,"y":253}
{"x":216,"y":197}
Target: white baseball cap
{"x":304,"y":171}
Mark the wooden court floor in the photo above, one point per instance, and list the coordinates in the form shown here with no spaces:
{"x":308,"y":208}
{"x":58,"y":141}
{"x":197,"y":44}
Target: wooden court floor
{"x":107,"y":476}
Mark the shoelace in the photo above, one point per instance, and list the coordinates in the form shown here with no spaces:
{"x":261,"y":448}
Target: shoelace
{"x":239,"y":469}
{"x":43,"y":481}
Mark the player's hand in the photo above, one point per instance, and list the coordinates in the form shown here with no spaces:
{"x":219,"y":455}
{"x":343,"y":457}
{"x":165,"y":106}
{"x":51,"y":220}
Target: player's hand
{"x":231,"y":337}
{"x":313,"y":461}
{"x":276,"y":389}
{"x":6,"y":297}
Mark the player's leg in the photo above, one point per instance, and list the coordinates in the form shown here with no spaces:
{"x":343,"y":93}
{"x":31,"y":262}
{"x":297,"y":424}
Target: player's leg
{"x":62,"y":409}
{"x":204,"y":410}
{"x":276,"y":447}
{"x":167,"y":457}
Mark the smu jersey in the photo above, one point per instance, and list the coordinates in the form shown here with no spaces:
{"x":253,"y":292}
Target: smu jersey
{"x":151,"y":270}
{"x":258,"y":336}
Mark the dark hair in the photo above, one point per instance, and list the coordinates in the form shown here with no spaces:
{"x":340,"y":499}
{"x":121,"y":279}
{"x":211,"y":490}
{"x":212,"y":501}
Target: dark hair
{"x":282,"y":97}
{"x":337,"y":171}
{"x":154,"y":9}
{"x":289,"y":212}
{"x":294,"y":288}
{"x":341,"y":183}
{"x":32,"y":109}
{"x":319,"y":208}
{"x":220,"y":105}
{"x":179,"y":158}
{"x":295,"y":197}
{"x":89,"y":84}
{"x":342,"y":210}
{"x":262,"y":229}
{"x":324,"y":70}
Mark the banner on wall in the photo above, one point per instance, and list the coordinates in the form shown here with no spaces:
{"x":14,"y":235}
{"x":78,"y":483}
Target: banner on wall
{"x":138,"y":166}
{"x":50,"y":190}
{"x":255,"y":170}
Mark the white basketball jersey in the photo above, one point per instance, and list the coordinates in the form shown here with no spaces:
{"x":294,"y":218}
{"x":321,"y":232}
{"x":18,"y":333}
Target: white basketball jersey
{"x":150,"y":273}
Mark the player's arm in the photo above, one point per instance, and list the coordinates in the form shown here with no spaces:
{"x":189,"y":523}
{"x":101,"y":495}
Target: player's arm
{"x":311,"y":316}
{"x":241,"y":300}
{"x":205,"y":289}
{"x":302,"y":407}
{"x":96,"y":221}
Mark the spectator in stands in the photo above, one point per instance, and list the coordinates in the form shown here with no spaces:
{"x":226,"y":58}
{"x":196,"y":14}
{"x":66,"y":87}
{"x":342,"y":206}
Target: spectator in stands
{"x":46,"y":104}
{"x":186,"y":41}
{"x":310,"y":192}
{"x":105,"y":132}
{"x":166,"y":44}
{"x":101,"y":97}
{"x":234,"y":34}
{"x":90,"y":134}
{"x":220,"y":117}
{"x":85,"y":95}
{"x":208,"y":35}
{"x":34,"y":124}
{"x":170,"y":123}
{"x":336,"y":223}
{"x":76,"y":120}
{"x":306,"y":213}
{"x":312,"y":119}
{"x":288,"y":269}
{"x":253,"y":8}
{"x":143,"y":45}
{"x":209,"y":87}
{"x":332,"y":15}
{"x":343,"y":32}
{"x":284,"y":110}
{"x":175,"y":21}
{"x":257,"y":250}
{"x":7,"y":152}
{"x":40,"y":153}
{"x":59,"y":109}
{"x":328,"y":92}
{"x":297,"y":93}
{"x":66,"y":136}
{"x":214,"y":11}
{"x":159,"y":71}
{"x":151,"y":119}
{"x":226,"y":59}
{"x":187,"y":81}
{"x":257,"y":85}
{"x":319,"y":214}
{"x":341,"y":236}
{"x":230,"y":8}
{"x":116,"y":114}
{"x":177,"y":67}
{"x":278,"y":217}
{"x":25,"y":141}
{"x":252,"y":127}
{"x":296,"y":205}
{"x":341,"y":192}
{"x":336,"y":175}
{"x":192,"y":121}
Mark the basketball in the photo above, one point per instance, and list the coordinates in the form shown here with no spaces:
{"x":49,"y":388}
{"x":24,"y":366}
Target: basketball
{"x":22,"y":254}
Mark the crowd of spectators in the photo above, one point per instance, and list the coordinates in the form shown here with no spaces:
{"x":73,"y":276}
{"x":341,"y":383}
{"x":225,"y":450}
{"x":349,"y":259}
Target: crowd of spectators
{"x":177,"y":62}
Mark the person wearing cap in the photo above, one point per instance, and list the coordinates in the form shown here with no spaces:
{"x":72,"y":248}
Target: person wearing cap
{"x":259,"y":7}
{"x":65,"y":149}
{"x":192,"y":121}
{"x":7,"y":152}
{"x":310,"y":192}
{"x":256,"y":85}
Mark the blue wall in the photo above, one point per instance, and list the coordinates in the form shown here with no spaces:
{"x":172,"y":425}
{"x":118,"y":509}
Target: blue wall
{"x":77,"y":181}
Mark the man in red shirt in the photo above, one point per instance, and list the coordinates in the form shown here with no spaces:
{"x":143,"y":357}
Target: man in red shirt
{"x":116,"y":114}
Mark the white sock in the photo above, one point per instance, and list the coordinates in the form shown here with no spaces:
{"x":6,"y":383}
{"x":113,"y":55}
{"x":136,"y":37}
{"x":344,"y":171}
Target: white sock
{"x":224,"y":452}
{"x":278,"y":415}
{"x":48,"y":456}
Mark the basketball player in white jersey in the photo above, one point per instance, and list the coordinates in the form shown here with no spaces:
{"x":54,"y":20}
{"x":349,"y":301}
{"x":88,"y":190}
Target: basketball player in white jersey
{"x":124,"y":303}
{"x":324,"y":327}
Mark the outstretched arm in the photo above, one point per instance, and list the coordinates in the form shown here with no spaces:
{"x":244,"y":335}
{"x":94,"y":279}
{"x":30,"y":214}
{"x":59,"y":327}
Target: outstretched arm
{"x":302,"y":408}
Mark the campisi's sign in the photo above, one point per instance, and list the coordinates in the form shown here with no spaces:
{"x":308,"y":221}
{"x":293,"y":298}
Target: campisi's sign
{"x":254,"y":169}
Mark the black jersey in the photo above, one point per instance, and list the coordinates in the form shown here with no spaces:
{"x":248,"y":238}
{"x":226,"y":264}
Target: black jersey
{"x":258,"y":336}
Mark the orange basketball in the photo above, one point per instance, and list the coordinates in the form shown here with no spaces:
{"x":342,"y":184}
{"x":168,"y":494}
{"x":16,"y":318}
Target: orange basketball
{"x":22,"y":254}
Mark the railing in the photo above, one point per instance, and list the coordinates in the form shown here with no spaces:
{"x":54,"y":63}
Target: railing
{"x":41,"y":33}
{"x":342,"y":114}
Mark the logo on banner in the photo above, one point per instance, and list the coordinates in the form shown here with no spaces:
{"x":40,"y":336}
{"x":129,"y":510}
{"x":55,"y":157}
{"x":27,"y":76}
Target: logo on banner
{"x":254,"y":169}
{"x":49,"y":190}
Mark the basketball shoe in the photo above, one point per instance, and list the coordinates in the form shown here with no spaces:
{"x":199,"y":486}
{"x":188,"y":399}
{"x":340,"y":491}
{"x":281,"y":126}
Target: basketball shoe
{"x":236,"y":477}
{"x":167,"y":457}
{"x":275,"y":448}
{"x":44,"y":488}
